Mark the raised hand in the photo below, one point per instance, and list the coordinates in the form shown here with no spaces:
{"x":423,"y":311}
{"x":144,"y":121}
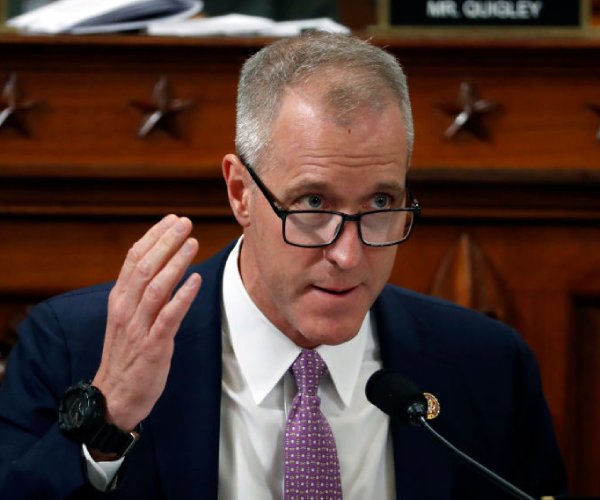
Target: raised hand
{"x":143,"y":318}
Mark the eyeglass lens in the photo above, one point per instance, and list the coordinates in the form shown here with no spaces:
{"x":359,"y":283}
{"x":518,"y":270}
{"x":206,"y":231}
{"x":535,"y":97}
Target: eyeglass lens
{"x":321,"y":228}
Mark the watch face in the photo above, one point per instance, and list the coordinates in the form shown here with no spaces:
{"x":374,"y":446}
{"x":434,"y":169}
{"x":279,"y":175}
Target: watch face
{"x":81,"y":410}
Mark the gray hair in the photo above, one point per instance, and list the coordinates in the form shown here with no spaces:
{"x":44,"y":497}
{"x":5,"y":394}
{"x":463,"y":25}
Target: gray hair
{"x":362,"y":74}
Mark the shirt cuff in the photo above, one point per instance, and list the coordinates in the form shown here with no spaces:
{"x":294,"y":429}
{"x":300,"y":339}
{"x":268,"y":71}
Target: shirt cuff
{"x":101,"y":474}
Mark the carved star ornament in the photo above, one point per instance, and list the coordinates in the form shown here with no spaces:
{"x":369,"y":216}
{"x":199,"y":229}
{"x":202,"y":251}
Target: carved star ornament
{"x":13,"y":108}
{"x":596,"y":109}
{"x":468,"y":112}
{"x":161,"y":110}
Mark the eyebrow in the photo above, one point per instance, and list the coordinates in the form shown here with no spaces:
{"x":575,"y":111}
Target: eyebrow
{"x":295,"y":190}
{"x":394,"y":187}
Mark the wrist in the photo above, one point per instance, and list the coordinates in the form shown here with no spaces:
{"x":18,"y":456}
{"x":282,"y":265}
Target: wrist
{"x":114,"y":412}
{"x":82,"y":417}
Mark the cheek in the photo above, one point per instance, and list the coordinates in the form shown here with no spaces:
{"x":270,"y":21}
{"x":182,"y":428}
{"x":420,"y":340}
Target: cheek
{"x":291,"y":267}
{"x":284,"y":269}
{"x":382,"y":264}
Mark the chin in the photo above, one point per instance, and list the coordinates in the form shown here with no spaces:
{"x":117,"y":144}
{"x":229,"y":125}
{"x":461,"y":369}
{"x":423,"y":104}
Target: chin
{"x":329,"y":332}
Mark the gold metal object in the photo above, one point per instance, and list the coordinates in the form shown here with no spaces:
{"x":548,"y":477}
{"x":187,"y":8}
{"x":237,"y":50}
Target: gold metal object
{"x":433,"y":406}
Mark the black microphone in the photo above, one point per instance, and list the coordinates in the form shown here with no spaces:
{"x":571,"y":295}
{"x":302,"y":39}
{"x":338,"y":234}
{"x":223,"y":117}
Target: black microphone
{"x":402,"y":400}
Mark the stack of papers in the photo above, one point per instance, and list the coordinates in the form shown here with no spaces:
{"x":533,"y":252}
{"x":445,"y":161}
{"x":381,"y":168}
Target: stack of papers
{"x":101,"y":16}
{"x":242,"y":25}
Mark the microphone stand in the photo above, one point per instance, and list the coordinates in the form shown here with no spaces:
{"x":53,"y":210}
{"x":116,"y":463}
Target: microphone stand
{"x":501,"y":482}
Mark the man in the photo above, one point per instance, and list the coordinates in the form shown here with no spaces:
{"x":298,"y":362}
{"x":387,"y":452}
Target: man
{"x":324,"y":137}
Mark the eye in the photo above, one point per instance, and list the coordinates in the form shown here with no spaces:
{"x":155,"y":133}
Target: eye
{"x":312,"y":202}
{"x":382,"y":201}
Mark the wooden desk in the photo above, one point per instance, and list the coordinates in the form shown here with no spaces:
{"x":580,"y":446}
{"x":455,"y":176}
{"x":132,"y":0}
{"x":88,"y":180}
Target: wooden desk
{"x":510,"y":224}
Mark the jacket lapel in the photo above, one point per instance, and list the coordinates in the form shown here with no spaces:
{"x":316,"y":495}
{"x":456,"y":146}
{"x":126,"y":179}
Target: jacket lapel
{"x":185,"y":421}
{"x":423,"y":468}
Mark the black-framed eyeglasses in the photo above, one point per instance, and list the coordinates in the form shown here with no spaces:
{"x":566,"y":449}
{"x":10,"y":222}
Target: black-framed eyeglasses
{"x":320,"y":228}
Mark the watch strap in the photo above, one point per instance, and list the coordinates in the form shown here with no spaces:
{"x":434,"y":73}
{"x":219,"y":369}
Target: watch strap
{"x":110,"y":439}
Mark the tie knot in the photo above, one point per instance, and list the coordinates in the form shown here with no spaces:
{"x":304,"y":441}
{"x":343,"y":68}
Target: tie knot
{"x":308,"y":369}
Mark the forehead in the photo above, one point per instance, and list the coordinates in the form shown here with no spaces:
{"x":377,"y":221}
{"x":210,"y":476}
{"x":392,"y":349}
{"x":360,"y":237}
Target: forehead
{"x":308,"y":141}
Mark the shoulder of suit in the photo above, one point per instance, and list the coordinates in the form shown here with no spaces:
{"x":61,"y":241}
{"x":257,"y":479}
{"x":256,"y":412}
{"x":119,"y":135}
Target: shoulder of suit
{"x":443,"y":315}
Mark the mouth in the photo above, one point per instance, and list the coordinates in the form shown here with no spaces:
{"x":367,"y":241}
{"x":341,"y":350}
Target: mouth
{"x":340,"y":292}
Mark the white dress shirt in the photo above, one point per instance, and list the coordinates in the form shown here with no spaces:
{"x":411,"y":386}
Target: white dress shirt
{"x":257,"y":391}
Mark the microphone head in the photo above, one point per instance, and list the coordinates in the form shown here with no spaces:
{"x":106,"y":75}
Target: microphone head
{"x":396,"y":396}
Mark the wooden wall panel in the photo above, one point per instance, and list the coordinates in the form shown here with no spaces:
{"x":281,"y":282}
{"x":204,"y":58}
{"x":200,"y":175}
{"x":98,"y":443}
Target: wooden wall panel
{"x":584,"y":438}
{"x":78,"y":252}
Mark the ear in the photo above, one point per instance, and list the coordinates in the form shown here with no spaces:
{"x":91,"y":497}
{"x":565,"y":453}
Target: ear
{"x":237,"y":181}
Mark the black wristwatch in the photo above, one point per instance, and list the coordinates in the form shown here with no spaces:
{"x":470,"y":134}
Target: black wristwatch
{"x":81,"y":416}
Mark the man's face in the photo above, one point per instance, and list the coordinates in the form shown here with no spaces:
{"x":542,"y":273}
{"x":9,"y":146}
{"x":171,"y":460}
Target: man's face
{"x":321,"y":295}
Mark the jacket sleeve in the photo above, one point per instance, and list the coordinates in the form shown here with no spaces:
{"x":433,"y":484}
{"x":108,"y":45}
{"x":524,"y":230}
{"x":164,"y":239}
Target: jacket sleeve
{"x":36,"y":459}
{"x":537,"y":464}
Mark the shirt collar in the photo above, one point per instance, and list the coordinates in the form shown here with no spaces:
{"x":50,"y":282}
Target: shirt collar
{"x":251,"y":332}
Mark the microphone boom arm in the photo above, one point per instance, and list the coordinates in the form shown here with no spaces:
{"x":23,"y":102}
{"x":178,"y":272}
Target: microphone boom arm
{"x":501,"y":482}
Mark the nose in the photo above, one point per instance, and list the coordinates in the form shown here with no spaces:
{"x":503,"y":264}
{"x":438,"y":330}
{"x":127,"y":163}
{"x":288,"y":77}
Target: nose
{"x":347,"y":251}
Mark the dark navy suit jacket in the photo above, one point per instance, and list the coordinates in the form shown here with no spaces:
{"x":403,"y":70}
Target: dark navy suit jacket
{"x":481,"y":371}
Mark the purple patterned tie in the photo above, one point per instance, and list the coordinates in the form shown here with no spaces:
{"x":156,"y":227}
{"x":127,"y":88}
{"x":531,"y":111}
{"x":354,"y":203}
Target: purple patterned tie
{"x":312,"y":470}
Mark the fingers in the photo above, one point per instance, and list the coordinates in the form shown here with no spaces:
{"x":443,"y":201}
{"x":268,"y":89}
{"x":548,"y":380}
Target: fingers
{"x":141,"y":247}
{"x":159,"y":290}
{"x":171,"y":316}
{"x":146,"y":259}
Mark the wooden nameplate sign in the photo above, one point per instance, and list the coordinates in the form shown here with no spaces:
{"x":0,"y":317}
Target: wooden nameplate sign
{"x":398,"y":16}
